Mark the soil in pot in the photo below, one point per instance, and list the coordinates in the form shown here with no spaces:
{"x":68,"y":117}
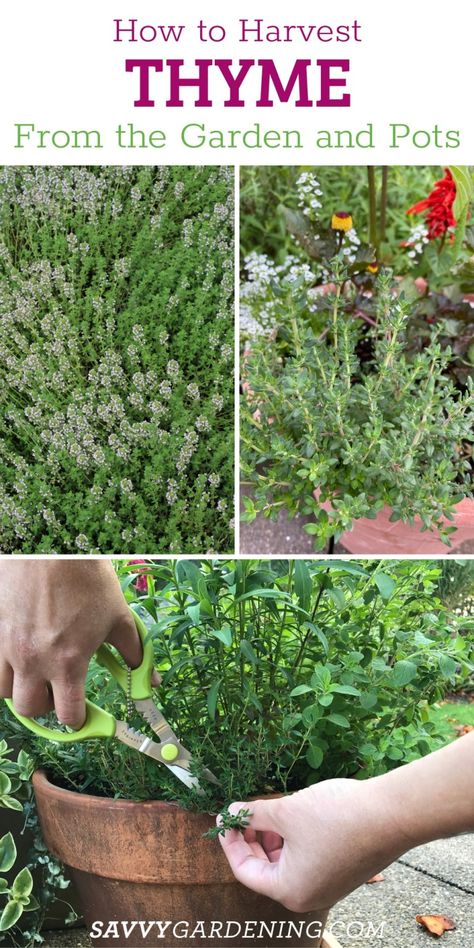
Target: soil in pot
{"x":149,"y":862}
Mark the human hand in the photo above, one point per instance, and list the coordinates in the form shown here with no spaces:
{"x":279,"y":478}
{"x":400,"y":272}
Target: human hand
{"x":54,"y":614}
{"x":312,"y":848}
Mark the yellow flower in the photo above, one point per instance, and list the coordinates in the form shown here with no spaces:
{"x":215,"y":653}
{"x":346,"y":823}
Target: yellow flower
{"x":341,"y":220}
{"x":373,"y":267}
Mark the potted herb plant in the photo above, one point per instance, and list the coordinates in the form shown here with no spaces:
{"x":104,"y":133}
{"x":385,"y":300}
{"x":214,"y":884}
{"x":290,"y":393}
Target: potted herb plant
{"x":275,"y":674}
{"x":377,"y":450}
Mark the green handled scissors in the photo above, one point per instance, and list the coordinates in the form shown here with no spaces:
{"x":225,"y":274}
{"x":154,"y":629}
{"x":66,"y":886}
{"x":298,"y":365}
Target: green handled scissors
{"x":136,"y":683}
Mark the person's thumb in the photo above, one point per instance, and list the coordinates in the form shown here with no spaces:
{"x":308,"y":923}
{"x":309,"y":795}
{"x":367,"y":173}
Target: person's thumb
{"x":264,"y":814}
{"x":253,"y":870}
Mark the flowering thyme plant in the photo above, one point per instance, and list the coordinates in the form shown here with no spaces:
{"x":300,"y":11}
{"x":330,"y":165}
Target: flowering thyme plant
{"x":336,"y":438}
{"x":116,"y":420}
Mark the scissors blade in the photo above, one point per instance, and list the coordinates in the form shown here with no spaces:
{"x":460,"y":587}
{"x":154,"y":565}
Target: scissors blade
{"x":145,"y":745}
{"x":157,"y":721}
{"x":180,"y":770}
{"x":159,"y":725}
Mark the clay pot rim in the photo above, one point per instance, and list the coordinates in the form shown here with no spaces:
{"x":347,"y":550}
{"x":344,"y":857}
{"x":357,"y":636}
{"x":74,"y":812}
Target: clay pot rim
{"x":42,"y":781}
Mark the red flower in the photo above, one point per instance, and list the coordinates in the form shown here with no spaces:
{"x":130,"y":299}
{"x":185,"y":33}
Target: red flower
{"x":141,"y":584}
{"x":439,"y":205}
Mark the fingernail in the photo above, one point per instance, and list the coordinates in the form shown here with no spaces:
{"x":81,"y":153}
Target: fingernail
{"x":235,"y":807}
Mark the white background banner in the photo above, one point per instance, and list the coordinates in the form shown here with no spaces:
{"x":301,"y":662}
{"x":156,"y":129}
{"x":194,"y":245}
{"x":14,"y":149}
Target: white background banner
{"x":66,"y":91}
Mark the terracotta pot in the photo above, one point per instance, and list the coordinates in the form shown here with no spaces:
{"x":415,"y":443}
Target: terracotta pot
{"x":148,"y":861}
{"x":381,"y":536}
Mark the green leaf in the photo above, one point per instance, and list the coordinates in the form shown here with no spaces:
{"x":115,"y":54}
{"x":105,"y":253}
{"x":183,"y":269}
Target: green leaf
{"x":5,"y":784}
{"x":22,"y":885}
{"x":193,"y":575}
{"x":402,"y":673}
{"x":127,"y":581}
{"x":447,"y":666}
{"x":32,"y":905}
{"x":338,"y":719}
{"x":464,"y":188}
{"x":367,"y":749}
{"x":300,"y":690}
{"x":250,"y":510}
{"x":10,"y":803}
{"x":263,"y":594}
{"x":346,"y":690}
{"x":303,"y":584}
{"x":212,"y":696}
{"x":338,"y":598}
{"x":314,"y":756}
{"x":318,"y":633}
{"x":311,"y":715}
{"x":395,"y":753}
{"x":7,"y":852}
{"x":291,"y":720}
{"x":325,"y":700}
{"x":321,"y":678}
{"x":225,"y":635}
{"x":194,"y":613}
{"x":10,"y":915}
{"x":3,"y":886}
{"x":368,"y":700}
{"x":248,"y":652}
{"x":340,"y":566}
{"x":385,"y":585}
{"x":25,"y":764}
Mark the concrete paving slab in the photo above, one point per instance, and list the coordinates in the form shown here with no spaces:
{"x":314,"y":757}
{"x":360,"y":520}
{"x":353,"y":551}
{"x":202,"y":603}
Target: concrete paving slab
{"x":450,"y":860}
{"x":383,"y":915}
{"x":282,"y":537}
{"x":74,"y":938}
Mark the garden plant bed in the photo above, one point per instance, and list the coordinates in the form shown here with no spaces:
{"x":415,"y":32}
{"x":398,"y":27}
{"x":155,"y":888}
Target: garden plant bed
{"x":357,"y":410}
{"x":116,"y":400}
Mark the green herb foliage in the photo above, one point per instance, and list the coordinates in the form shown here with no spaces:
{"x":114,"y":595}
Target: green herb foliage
{"x":277,"y":674}
{"x":22,"y":913}
{"x":228,"y":821}
{"x":286,"y":216}
{"x":316,"y":418}
{"x":16,"y":885}
{"x":116,"y":394}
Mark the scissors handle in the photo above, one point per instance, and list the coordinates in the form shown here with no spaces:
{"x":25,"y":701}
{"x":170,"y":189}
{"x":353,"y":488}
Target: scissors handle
{"x":98,"y":723}
{"x":138,"y":678}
